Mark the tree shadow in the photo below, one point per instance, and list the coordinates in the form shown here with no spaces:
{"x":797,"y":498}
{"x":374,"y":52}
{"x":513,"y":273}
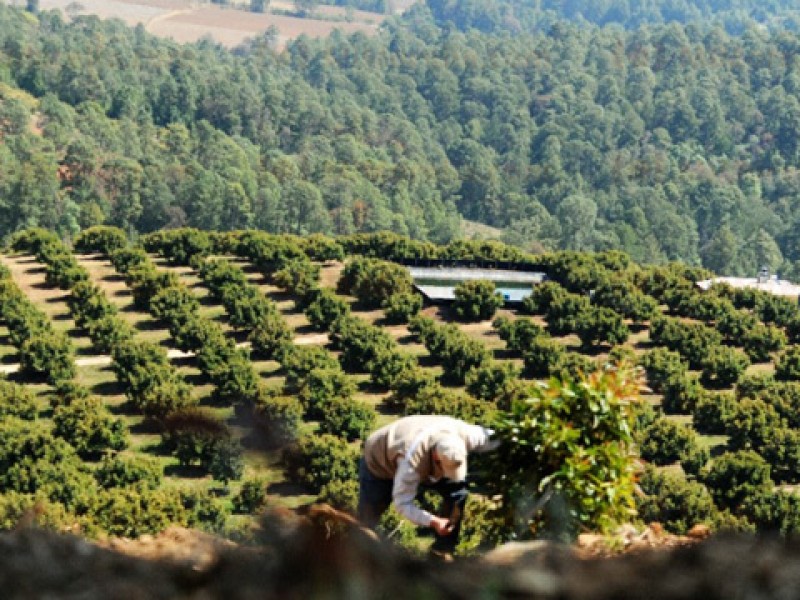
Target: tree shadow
{"x":185,"y":471}
{"x":149,"y":325}
{"x":113,"y":277}
{"x":505,"y":354}
{"x":285,"y":488}
{"x":108,"y":388}
{"x":307,"y":329}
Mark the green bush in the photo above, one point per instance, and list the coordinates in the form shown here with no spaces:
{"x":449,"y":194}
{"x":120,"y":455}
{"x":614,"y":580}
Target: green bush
{"x":324,"y":308}
{"x":252,"y":497}
{"x":674,"y":502}
{"x":723,"y":366}
{"x":88,"y":426}
{"x":712,"y":412}
{"x":341,"y":495}
{"x":681,"y":394}
{"x":601,"y":326}
{"x":760,"y":342}
{"x":519,"y":334}
{"x":476,"y":300}
{"x":782,"y":451}
{"x":269,"y":335}
{"x":662,"y":365}
{"x":566,"y":459}
{"x":373,"y":281}
{"x":665,"y":442}
{"x":751,"y":424}
{"x":402,"y":307}
{"x":437,"y":400}
{"x":735,"y":476}
{"x":49,"y":353}
{"x":17,"y":401}
{"x":299,"y":361}
{"x":317,"y":460}
{"x":323,"y":386}
{"x":542,"y":357}
{"x":102,"y":239}
{"x":787,"y":365}
{"x":278,"y":417}
{"x":347,"y":418}
{"x":122,"y":471}
{"x":498,"y":383}
{"x":133,"y":512}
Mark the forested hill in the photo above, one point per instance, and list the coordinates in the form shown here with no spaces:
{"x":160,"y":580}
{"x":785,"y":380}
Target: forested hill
{"x":671,"y":142}
{"x":520,"y":15}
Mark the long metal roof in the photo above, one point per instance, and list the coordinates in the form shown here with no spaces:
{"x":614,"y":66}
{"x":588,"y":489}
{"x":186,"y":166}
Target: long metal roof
{"x":439,"y":283}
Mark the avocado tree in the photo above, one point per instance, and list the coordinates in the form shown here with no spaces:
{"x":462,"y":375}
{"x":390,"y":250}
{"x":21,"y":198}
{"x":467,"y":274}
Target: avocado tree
{"x":566,"y":458}
{"x":476,"y":300}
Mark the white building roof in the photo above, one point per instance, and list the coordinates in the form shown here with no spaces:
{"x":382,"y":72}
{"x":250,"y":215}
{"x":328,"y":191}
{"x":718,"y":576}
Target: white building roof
{"x":779,"y":287}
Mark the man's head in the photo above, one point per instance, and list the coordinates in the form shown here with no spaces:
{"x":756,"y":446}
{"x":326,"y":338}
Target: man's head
{"x":452,"y":455}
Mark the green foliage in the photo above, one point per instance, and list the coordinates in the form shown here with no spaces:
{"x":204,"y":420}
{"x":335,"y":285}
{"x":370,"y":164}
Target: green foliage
{"x":481,"y":529}
{"x":497,"y":383}
{"x":601,"y":326}
{"x":270,"y":335}
{"x":178,"y":246}
{"x":712,"y":412}
{"x":762,"y":341}
{"x":543,"y":357}
{"x":299,"y":277}
{"x":457,"y":352}
{"x":681,"y":394}
{"x":782,"y":452}
{"x":566,"y":459}
{"x":88,"y":426}
{"x":252,"y":497}
{"x":787,"y":365}
{"x":126,"y":259}
{"x":174,"y":304}
{"x":341,"y":495}
{"x":121,"y":471}
{"x":226,"y":461}
{"x":625,"y":299}
{"x":691,"y":340}
{"x":133,"y":512}
{"x":347,"y":418}
{"x":374,"y":281}
{"x":735,"y":476}
{"x":723,"y":366}
{"x":279,"y":417}
{"x":325,"y":308}
{"x":663,"y":365}
{"x":50,"y":354}
{"x":17,"y":401}
{"x":674,"y":502}
{"x":665,"y":442}
{"x":101,"y":239}
{"x":476,"y":300}
{"x":751,"y":424}
{"x":299,"y":361}
{"x":402,"y":307}
{"x":518,"y":334}
{"x":321,"y":387}
{"x":320,"y":459}
{"x":438,"y":400}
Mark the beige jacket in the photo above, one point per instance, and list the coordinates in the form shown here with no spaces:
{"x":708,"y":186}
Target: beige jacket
{"x":402,"y":451}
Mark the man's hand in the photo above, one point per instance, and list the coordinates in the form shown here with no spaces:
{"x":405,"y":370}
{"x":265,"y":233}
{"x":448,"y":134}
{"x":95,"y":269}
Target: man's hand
{"x":442,"y":526}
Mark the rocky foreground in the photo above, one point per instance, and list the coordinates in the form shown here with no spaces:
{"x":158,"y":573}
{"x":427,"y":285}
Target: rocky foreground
{"x":303,"y":560}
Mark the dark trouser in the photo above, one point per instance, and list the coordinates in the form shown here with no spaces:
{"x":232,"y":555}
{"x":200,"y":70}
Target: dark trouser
{"x":375,"y":496}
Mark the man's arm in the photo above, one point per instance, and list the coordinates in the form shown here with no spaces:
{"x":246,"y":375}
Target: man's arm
{"x":406,"y":484}
{"x":478,"y":439}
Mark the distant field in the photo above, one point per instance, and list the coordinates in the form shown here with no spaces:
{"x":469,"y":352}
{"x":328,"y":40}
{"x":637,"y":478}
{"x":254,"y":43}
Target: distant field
{"x":188,"y":21}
